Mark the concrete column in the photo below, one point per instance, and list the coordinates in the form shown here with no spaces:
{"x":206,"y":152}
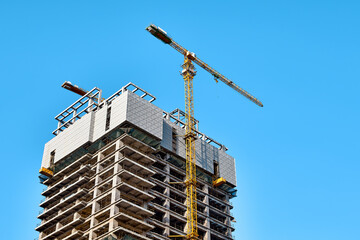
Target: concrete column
{"x":41,"y":235}
{"x":93,"y":222}
{"x":166,"y":219}
{"x":207,"y":235}
{"x":207,"y":212}
{"x":167,"y":231}
{"x":167,"y":168}
{"x":115,"y":195}
{"x":59,"y":212}
{"x":92,"y":235}
{"x":76,"y":216}
{"x":95,"y":205}
{"x":119,"y":144}
{"x":97,"y":178}
{"x":58,"y":226}
{"x":112,"y":224}
{"x":167,"y":204}
{"x":117,"y":167}
{"x":167,"y":189}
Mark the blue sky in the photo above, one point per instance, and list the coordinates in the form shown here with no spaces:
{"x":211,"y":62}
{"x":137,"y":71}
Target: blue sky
{"x":297,"y":159}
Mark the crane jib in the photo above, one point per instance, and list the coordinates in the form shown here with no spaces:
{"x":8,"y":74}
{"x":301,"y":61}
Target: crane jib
{"x":162,"y":35}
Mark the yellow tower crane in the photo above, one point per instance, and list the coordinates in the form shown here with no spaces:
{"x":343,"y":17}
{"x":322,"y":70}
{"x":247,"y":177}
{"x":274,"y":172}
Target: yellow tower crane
{"x":188,"y":74}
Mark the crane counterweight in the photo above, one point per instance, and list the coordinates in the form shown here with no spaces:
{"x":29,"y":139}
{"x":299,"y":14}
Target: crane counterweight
{"x":159,"y":33}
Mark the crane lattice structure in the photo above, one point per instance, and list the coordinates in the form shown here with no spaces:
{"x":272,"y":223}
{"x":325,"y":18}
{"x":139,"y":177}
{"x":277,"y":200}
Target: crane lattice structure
{"x":188,"y":74}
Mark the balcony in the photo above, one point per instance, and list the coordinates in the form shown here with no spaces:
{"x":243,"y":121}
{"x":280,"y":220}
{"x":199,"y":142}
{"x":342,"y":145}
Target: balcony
{"x":134,"y":179}
{"x":219,"y":229}
{"x":134,"y":143}
{"x":57,"y":176}
{"x":135,"y":167}
{"x":64,"y":191}
{"x":63,"y":202}
{"x":221,"y":221}
{"x":57,"y":217}
{"x":225,"y":212}
{"x":129,"y":221}
{"x":64,"y":228}
{"x":75,"y":235}
{"x":136,"y":211}
{"x":133,"y":191}
{"x":221,"y":205}
{"x":66,"y":180}
{"x":119,"y":232}
{"x":136,"y":155}
{"x":217,"y":236}
{"x":155,"y":235}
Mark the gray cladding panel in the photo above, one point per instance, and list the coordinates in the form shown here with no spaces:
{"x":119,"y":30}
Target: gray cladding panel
{"x":227,"y":167}
{"x":99,"y":124}
{"x":166,"y":141}
{"x":145,"y":115}
{"x":69,"y":140}
{"x":118,"y":111}
{"x":205,"y":153}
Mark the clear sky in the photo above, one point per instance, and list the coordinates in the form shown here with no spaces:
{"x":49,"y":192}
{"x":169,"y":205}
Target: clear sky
{"x":297,"y":158}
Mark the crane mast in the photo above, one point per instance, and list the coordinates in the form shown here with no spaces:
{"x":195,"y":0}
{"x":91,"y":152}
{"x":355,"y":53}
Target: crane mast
{"x":188,"y":74}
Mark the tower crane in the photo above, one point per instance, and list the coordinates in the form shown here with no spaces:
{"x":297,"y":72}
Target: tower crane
{"x":188,"y":73}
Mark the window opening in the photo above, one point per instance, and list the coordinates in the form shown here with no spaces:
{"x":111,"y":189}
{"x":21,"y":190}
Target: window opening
{"x":216,"y":169}
{"x":52,"y":158}
{"x":108,"y":114}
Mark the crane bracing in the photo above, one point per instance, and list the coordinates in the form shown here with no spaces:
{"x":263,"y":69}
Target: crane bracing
{"x":188,"y":74}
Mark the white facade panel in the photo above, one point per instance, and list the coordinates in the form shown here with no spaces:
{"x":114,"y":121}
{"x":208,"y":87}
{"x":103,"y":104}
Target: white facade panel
{"x":118,"y":111}
{"x":145,"y":115}
{"x":227,"y":167}
{"x":69,"y":140}
{"x":99,"y":123}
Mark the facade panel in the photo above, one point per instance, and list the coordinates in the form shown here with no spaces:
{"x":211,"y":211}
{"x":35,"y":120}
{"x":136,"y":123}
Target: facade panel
{"x":69,"y":140}
{"x":144,"y":115}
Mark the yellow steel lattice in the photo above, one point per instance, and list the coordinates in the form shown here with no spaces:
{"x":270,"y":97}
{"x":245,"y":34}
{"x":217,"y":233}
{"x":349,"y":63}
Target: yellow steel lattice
{"x":188,"y":74}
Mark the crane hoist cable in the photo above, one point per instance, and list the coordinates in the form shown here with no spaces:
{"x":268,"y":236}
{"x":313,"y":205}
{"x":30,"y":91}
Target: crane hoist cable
{"x":188,"y":74}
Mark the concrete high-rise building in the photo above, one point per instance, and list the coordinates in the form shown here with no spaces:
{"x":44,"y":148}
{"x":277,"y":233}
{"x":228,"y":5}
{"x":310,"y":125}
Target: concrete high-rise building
{"x":112,"y":161}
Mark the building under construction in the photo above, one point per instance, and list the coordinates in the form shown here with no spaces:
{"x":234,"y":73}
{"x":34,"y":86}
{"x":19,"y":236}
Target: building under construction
{"x":114,"y":171}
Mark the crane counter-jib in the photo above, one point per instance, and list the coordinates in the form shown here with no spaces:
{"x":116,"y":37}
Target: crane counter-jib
{"x":159,"y":33}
